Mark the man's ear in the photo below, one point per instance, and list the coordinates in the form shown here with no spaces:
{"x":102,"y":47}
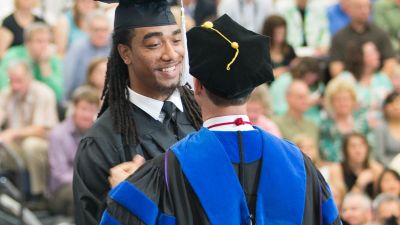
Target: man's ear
{"x":198,"y":87}
{"x":125,"y":53}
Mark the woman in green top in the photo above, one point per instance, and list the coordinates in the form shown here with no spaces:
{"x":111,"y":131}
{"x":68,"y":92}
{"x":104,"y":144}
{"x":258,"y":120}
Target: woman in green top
{"x":362,"y":64}
{"x":340,"y":103}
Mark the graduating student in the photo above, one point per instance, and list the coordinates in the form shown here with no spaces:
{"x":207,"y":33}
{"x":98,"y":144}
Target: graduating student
{"x":145,"y":109}
{"x":229,"y":172}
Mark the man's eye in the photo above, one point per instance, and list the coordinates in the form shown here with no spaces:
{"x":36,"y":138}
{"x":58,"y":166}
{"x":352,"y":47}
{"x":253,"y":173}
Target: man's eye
{"x":153,"y":45}
{"x":177,"y":41}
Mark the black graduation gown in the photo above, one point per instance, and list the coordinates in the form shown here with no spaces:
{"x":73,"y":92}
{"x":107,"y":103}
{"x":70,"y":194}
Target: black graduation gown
{"x":178,"y":198}
{"x":102,"y":149}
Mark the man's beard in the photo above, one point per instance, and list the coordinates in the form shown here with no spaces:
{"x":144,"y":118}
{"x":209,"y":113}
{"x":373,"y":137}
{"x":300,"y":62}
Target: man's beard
{"x":168,"y":90}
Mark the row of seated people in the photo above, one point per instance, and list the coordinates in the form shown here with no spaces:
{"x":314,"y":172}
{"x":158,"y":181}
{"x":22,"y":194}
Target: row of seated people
{"x":28,"y":114}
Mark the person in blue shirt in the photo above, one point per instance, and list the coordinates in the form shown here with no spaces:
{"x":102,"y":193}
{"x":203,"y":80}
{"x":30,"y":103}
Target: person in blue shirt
{"x":338,"y":16}
{"x":229,"y":172}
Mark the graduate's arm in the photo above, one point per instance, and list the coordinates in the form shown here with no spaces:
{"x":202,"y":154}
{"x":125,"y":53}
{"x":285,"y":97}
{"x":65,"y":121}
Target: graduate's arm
{"x":90,"y":183}
{"x":141,"y":199}
{"x":330,"y":213}
{"x":123,"y":170}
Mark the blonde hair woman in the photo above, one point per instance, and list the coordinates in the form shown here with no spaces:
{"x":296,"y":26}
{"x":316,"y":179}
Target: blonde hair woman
{"x":340,"y":103}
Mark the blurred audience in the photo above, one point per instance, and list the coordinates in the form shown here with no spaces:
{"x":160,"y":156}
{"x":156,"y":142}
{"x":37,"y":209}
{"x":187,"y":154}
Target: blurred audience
{"x":356,"y":209}
{"x":282,"y":54}
{"x":78,"y":57}
{"x":307,"y":26}
{"x":386,"y":209}
{"x":360,"y":28}
{"x":357,"y":171}
{"x":96,"y":74}
{"x":248,"y":13}
{"x":200,"y":10}
{"x":308,"y":70}
{"x":71,"y":26}
{"x":293,"y":122}
{"x":12,"y":29}
{"x":38,"y":52}
{"x":389,"y":183}
{"x":372,"y":86}
{"x":310,"y":147}
{"x":63,"y":143}
{"x":28,"y":111}
{"x":386,"y":14}
{"x":189,"y":21}
{"x":258,"y":109}
{"x":338,"y":16}
{"x":340,"y":103}
{"x":388,"y":132}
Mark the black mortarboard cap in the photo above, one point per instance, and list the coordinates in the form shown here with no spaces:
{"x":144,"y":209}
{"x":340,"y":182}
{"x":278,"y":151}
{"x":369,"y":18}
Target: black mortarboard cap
{"x":141,"y":13}
{"x":229,"y":60}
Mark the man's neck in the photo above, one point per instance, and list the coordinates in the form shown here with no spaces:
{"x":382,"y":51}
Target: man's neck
{"x":343,"y":117}
{"x":154,"y":94}
{"x":216,"y":111}
{"x":296,"y":115}
{"x":358,"y":26}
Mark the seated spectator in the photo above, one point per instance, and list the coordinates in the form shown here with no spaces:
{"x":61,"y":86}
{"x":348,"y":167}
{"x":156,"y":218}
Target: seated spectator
{"x":250,"y":13}
{"x":389,"y":183}
{"x":308,"y":70}
{"x":293,"y":122}
{"x":360,"y":28}
{"x":96,"y":74}
{"x":12,"y":29}
{"x":28,"y":111}
{"x":71,"y":26}
{"x":338,"y":16}
{"x":37,"y":50}
{"x":281,"y":52}
{"x":356,"y":209}
{"x":258,"y":108}
{"x":307,"y":26}
{"x":386,"y":14}
{"x":63,"y":143}
{"x":388,"y":132}
{"x":362,"y":62}
{"x":79,"y":55}
{"x":340,"y":103}
{"x":386,"y":209}
{"x":309,"y":147}
{"x":357,"y":171}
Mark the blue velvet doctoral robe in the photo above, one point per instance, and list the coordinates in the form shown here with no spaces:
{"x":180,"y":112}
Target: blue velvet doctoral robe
{"x":197,"y":183}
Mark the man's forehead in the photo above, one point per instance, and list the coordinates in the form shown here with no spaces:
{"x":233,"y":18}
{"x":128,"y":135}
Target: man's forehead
{"x":165,"y":30}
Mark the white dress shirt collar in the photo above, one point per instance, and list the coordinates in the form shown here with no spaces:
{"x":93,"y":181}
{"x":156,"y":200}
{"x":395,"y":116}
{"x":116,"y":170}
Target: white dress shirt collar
{"x":228,"y":127}
{"x":153,"y":106}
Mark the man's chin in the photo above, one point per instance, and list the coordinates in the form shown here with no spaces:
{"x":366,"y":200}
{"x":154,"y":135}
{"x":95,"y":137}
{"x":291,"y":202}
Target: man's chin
{"x":168,"y":89}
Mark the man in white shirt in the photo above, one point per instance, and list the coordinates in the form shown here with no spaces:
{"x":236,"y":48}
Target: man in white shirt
{"x":145,"y":109}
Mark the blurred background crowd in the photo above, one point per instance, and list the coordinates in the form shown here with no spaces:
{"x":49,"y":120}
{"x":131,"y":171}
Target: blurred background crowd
{"x":336,"y":92}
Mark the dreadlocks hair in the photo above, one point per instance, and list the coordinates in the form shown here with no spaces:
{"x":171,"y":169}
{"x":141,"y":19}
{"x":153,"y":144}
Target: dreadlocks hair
{"x":191,"y":107}
{"x":116,"y":94}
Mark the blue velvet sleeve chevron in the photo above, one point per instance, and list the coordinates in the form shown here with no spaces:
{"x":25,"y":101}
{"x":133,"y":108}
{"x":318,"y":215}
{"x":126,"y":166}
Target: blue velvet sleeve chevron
{"x":330,"y":213}
{"x":138,"y":204}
